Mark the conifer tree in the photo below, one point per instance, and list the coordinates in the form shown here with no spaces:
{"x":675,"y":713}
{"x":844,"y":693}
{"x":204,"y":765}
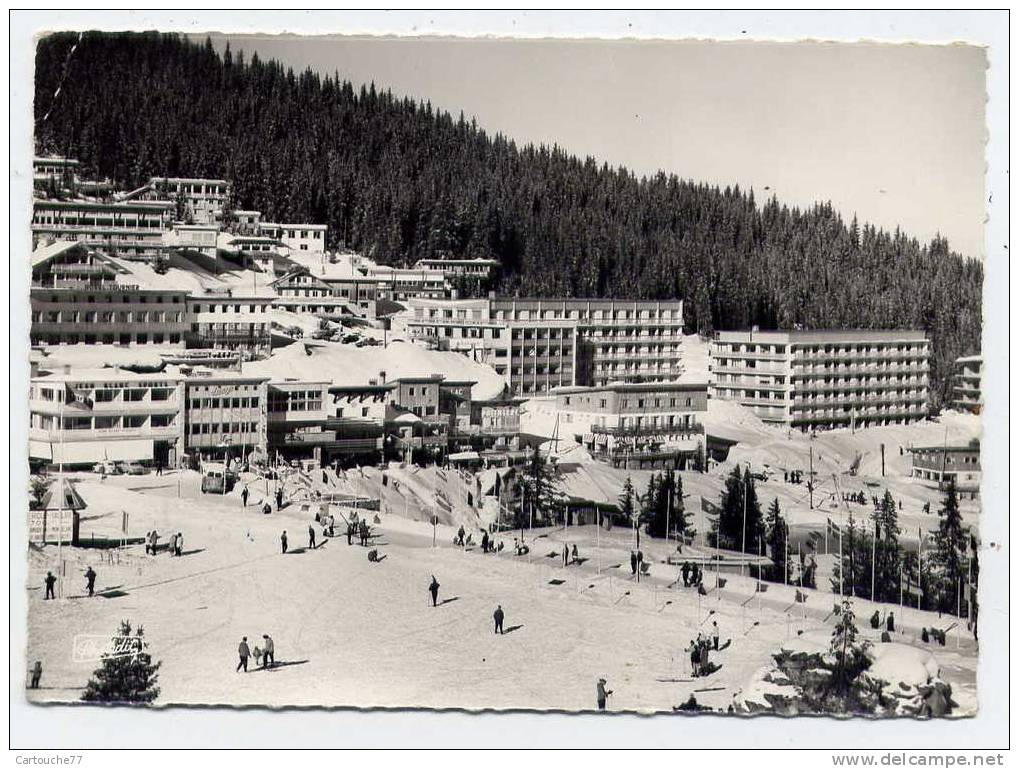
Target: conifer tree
{"x":778,"y":535}
{"x":949,"y":553}
{"x":627,"y":500}
{"x":127,"y":674}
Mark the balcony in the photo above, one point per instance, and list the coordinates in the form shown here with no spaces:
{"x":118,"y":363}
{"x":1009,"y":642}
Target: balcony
{"x":694,"y":428}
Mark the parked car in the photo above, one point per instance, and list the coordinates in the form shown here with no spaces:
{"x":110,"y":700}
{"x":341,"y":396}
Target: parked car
{"x":106,"y":467}
{"x":132,"y":468}
{"x":216,"y":479}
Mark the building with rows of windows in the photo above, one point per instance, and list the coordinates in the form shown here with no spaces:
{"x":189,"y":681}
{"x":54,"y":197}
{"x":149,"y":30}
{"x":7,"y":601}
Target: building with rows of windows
{"x":652,"y":424}
{"x":84,"y":416}
{"x":966,"y":392}
{"x":541,"y":344}
{"x":823,"y":379}
{"x":224,"y":413}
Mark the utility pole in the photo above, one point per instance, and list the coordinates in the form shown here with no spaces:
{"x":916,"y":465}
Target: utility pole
{"x":743,"y":545}
{"x":810,"y":479}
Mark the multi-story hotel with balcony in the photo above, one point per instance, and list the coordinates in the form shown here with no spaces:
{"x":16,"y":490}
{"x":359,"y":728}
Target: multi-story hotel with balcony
{"x":966,"y":392}
{"x":83,"y":416}
{"x":228,"y":322}
{"x":652,"y":424}
{"x":203,"y":199}
{"x":823,"y":379}
{"x":309,"y":238}
{"x":129,"y":229}
{"x":541,"y":344}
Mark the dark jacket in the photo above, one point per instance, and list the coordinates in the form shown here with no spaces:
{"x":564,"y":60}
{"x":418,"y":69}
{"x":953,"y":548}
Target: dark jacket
{"x":242,"y":649}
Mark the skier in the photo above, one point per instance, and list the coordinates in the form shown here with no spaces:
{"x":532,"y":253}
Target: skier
{"x":279,"y":498}
{"x":350,"y":534}
{"x":50,"y":582}
{"x":433,"y":588}
{"x":875,"y":619}
{"x":283,"y":541}
{"x":311,"y":537}
{"x":460,"y":536}
{"x":365,"y":531}
{"x":180,"y":544}
{"x":633,"y":563}
{"x":243,"y":652}
{"x":244,"y":497}
{"x":566,"y":554}
{"x":485,"y":542}
{"x":685,"y":571}
{"x":573,"y":552}
{"x":498,"y":616}
{"x":36,"y":671}
{"x":695,"y":658}
{"x":890,"y":622}
{"x":603,"y":693}
{"x":90,"y":581}
{"x":153,"y":541}
{"x":714,"y":635}
{"x":269,"y":653}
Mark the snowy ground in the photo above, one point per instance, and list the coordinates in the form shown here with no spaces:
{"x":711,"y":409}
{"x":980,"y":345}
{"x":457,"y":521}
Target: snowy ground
{"x":352,"y":633}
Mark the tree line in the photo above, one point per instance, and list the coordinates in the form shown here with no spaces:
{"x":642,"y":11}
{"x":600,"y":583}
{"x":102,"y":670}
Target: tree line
{"x":398,"y":181}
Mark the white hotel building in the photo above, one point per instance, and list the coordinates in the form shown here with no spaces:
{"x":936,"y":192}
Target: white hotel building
{"x":823,"y":379}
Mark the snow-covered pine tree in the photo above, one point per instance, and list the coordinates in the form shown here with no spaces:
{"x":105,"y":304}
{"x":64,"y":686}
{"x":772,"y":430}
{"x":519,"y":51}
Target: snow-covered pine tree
{"x":127,"y":674}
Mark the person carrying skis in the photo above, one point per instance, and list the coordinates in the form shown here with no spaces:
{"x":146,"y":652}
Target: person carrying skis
{"x":433,"y":588}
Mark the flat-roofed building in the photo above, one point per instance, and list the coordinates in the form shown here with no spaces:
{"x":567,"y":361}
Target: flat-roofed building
{"x":479,"y":268}
{"x":966,"y":384}
{"x":297,"y":419}
{"x":940,"y":466}
{"x":415,"y":419}
{"x":359,"y":417}
{"x":823,"y":379}
{"x":541,"y":344}
{"x":204,"y":199}
{"x":133,"y":229}
{"x":228,"y":322}
{"x":225,"y":413}
{"x":82,"y":416}
{"x":309,"y":238}
{"x":400,"y":284}
{"x":194,"y":237}
{"x":649,"y":424}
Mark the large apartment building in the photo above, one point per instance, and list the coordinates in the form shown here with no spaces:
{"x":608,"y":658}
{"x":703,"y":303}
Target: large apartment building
{"x":540,"y":344}
{"x":229,"y":322}
{"x":966,"y":390}
{"x":203,"y":199}
{"x":823,"y":379}
{"x":82,"y":416}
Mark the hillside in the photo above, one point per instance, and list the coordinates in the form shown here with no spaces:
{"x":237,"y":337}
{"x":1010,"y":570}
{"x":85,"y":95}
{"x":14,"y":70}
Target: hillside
{"x":398,"y":181}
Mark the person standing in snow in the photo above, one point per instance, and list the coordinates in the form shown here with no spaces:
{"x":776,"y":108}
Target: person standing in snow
{"x":244,"y":497}
{"x":890,"y":622}
{"x":714,"y":635}
{"x":350,"y":534}
{"x":484,"y":542}
{"x":633,"y":563}
{"x":180,"y":544}
{"x":566,"y":553}
{"x":243,"y":652}
{"x":51,"y":581}
{"x":433,"y":588}
{"x":573,"y":553}
{"x":269,"y":654}
{"x":36,"y":671}
{"x":311,"y":537}
{"x":283,"y":541}
{"x":460,"y":536}
{"x":90,"y":581}
{"x":603,"y":694}
{"x":498,"y":616}
{"x":279,"y":498}
{"x":685,"y":571}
